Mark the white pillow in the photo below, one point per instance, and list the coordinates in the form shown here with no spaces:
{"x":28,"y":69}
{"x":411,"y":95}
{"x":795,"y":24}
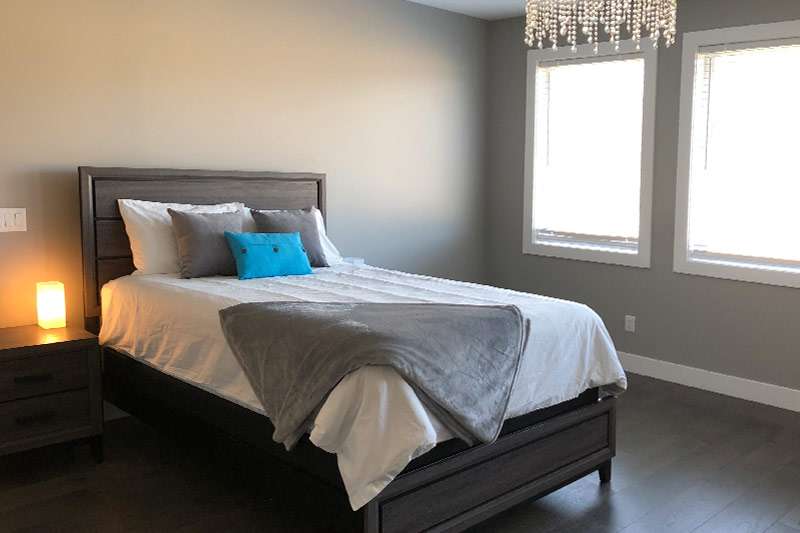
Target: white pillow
{"x":149,"y":228}
{"x":332,"y":255}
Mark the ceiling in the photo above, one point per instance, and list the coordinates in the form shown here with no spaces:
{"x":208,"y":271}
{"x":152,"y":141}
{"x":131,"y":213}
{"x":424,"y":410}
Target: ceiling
{"x":484,"y":9}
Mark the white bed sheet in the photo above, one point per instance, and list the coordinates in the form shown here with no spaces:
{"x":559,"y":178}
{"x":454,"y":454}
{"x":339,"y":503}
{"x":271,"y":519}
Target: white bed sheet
{"x":372,"y":420}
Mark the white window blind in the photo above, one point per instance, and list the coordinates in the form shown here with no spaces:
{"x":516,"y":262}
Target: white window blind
{"x":587,"y":167}
{"x":744,"y":177}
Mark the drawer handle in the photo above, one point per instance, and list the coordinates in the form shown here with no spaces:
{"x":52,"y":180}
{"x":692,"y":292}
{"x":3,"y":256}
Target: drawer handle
{"x":28,"y":420}
{"x":33,"y":378}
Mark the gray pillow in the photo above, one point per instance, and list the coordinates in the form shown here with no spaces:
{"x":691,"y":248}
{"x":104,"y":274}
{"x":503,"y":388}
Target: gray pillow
{"x":302,"y":221}
{"x":202,"y":247}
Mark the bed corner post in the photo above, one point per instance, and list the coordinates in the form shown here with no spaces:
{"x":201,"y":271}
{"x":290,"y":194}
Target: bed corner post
{"x":372,"y":521}
{"x":604,"y":470}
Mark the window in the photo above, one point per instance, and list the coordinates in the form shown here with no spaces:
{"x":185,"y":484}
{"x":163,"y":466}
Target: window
{"x":589,"y":154}
{"x":738,"y":204}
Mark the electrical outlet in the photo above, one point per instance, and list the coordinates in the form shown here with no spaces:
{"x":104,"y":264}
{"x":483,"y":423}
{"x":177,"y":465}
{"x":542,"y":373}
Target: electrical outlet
{"x":630,"y":323}
{"x":13,"y":219}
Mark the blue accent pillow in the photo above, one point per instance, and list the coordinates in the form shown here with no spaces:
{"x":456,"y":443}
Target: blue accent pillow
{"x":264,"y":255}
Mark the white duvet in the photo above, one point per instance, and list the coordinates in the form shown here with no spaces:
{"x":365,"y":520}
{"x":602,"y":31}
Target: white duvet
{"x":372,"y":420}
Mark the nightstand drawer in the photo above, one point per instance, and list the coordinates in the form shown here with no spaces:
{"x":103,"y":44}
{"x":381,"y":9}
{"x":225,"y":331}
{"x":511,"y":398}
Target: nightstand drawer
{"x":34,"y":417}
{"x":35,"y":376}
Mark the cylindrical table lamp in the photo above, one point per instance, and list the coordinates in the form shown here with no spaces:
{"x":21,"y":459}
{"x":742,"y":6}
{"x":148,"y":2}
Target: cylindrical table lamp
{"x":50,"y":306}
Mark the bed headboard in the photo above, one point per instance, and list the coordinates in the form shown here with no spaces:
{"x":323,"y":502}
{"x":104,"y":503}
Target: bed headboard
{"x":106,"y":249}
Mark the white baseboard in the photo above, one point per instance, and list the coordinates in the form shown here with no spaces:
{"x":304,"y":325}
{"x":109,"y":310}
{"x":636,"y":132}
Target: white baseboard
{"x":746,"y":389}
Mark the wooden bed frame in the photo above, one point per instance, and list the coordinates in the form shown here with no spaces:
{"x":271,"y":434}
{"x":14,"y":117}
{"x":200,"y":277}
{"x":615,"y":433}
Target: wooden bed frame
{"x":450,"y":488}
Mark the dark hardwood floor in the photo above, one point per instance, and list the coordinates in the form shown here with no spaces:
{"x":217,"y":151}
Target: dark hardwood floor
{"x":687,"y":460}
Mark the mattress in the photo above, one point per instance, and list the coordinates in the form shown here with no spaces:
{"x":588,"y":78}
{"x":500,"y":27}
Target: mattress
{"x":372,"y":420}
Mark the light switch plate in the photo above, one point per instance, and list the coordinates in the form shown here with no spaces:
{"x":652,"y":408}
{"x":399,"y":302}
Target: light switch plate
{"x":13,"y":219}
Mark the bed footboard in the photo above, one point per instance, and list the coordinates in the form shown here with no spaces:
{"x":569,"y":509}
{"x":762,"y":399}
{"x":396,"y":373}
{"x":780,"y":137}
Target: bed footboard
{"x":482,"y":481}
{"x":451,"y":493}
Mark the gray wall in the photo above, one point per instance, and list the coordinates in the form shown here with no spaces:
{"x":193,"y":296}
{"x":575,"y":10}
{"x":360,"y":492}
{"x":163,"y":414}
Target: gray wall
{"x":385,"y":96}
{"x":396,"y":102}
{"x":736,"y":328}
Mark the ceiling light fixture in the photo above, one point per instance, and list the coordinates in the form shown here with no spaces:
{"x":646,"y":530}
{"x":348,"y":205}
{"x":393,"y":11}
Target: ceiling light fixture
{"x":551,"y":20}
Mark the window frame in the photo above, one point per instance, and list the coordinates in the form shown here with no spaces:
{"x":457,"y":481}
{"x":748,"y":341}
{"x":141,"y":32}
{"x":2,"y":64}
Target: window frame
{"x":561,"y":247}
{"x":739,"y":268}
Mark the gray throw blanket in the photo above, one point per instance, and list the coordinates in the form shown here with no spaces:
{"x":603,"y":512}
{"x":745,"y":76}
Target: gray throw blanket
{"x":461,"y":360}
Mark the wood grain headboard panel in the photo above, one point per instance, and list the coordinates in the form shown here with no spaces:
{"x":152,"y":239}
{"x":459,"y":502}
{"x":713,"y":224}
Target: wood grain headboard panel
{"x":106,"y":249}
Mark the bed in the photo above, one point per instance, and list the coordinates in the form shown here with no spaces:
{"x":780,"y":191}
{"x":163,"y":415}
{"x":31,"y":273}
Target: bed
{"x":560,"y":434}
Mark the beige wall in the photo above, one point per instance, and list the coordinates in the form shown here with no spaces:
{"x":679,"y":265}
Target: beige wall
{"x":385,"y":96}
{"x":737,"y":328}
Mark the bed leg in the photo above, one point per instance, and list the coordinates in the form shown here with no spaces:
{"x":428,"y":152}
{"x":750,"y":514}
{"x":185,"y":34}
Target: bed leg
{"x":605,"y":472}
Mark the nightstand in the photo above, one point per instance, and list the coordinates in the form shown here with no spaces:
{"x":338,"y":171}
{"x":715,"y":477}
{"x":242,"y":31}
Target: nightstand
{"x":50,"y":389}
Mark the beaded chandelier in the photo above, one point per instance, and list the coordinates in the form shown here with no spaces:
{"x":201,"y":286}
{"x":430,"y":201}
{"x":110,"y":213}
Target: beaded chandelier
{"x":549,"y":20}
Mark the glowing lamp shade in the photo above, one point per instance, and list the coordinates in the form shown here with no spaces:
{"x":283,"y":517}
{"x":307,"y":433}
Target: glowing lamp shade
{"x":50,"y":306}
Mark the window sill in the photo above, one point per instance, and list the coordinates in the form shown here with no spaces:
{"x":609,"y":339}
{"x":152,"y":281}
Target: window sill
{"x":590,"y":253}
{"x":749,"y":272}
